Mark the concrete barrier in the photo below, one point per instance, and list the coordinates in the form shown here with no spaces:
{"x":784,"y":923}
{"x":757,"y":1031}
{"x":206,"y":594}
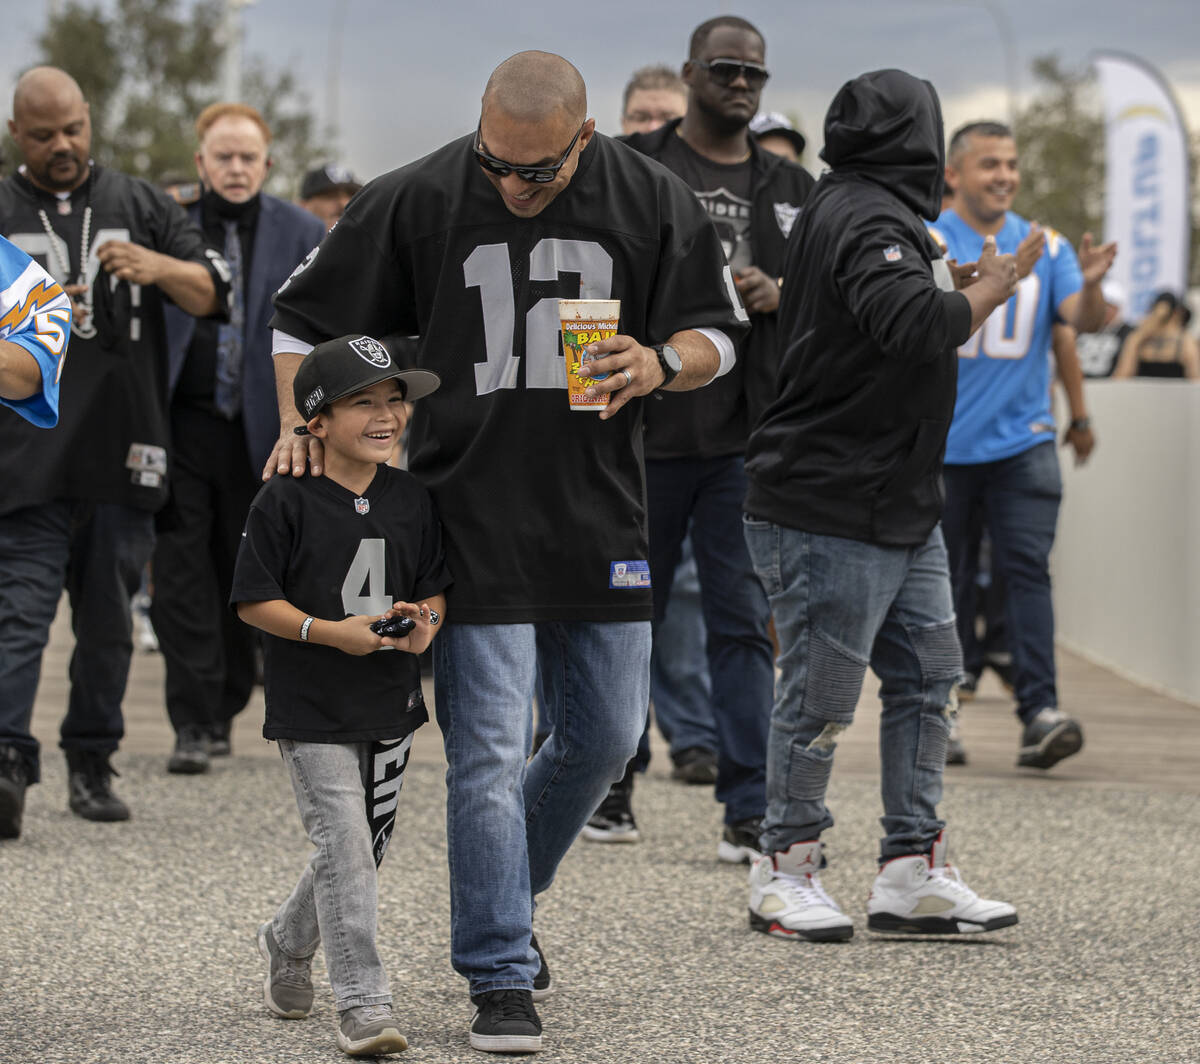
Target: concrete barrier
{"x":1126,"y":564}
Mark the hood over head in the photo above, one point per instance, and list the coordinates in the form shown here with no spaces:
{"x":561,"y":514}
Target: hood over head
{"x":887,"y":127}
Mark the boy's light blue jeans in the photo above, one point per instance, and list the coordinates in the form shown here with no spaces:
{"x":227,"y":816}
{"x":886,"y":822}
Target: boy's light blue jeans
{"x":336,"y":900}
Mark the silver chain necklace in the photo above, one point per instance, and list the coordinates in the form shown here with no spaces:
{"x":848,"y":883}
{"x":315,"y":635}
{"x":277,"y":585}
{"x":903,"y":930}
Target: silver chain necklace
{"x":87,"y":327}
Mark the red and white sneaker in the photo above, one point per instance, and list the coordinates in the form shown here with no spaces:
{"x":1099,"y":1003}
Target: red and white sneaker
{"x":923,"y":895}
{"x":788,"y":901}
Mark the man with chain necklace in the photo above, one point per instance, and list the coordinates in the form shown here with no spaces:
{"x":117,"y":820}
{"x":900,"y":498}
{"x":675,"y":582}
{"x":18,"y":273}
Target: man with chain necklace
{"x":78,"y":503}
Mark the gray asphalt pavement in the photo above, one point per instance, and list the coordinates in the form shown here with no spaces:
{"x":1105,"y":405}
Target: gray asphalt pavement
{"x":134,"y":942}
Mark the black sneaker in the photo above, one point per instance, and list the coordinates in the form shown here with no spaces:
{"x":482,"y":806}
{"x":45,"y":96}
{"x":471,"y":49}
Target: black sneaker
{"x":696,"y":764}
{"x":543,"y":983}
{"x":739,"y":842}
{"x":1048,"y":738}
{"x":190,"y":755}
{"x":219,"y":742}
{"x":14,"y":778}
{"x":613,"y":821}
{"x":89,"y":785}
{"x":505,"y":1021}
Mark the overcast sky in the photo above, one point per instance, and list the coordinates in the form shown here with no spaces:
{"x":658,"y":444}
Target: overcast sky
{"x":407,"y":76}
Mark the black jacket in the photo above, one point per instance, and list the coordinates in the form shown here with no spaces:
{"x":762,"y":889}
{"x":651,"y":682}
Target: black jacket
{"x":715,"y":420}
{"x":868,"y":327}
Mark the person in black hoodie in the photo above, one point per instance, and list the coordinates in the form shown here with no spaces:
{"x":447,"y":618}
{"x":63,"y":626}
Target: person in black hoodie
{"x":843,"y":507}
{"x":695,"y":444}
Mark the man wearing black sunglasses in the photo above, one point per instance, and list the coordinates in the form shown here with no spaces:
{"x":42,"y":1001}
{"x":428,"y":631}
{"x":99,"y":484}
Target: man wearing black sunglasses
{"x":695,"y":443}
{"x":543,"y":508}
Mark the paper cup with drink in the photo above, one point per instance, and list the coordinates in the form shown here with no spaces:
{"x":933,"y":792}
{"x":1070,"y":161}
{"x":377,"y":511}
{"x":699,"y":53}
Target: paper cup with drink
{"x":585,"y":322}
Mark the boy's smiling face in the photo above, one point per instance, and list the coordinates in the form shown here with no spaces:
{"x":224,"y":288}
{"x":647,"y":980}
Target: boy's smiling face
{"x":364,"y":427}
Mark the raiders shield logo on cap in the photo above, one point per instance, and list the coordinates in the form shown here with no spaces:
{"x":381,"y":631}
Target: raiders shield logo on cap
{"x":372,"y":351}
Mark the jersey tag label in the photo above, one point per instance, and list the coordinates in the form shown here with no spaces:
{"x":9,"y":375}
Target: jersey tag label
{"x":362,"y":506}
{"x":146,"y":457}
{"x":628,"y":574}
{"x":892,"y":253}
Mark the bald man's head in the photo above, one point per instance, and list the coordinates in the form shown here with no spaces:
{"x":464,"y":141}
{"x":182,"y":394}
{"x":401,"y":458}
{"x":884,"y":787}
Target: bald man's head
{"x":534,"y":116}
{"x":52,"y":127}
{"x":44,"y":84}
{"x":535,"y":87}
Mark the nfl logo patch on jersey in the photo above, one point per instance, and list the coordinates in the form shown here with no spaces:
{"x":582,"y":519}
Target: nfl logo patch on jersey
{"x":892,"y":253}
{"x":372,"y":351}
{"x":362,"y":506}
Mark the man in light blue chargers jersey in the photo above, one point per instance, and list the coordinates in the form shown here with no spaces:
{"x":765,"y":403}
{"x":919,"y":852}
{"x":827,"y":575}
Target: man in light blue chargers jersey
{"x":1001,"y":452}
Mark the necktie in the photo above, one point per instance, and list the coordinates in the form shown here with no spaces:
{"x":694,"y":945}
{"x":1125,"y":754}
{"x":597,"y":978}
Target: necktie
{"x":228,"y":396}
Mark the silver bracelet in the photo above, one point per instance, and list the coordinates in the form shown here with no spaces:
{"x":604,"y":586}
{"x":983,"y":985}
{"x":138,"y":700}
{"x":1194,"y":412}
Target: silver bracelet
{"x":304,"y":629}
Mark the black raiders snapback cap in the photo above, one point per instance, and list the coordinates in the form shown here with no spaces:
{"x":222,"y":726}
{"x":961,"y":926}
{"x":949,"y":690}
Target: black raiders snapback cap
{"x":347,"y":365}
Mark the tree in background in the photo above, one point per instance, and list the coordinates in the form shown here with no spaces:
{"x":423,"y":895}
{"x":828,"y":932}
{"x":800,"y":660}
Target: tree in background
{"x":1060,"y":136}
{"x":149,"y":68}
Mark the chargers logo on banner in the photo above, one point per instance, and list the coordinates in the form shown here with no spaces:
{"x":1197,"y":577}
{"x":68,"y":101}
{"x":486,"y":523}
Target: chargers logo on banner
{"x":1146,"y":183}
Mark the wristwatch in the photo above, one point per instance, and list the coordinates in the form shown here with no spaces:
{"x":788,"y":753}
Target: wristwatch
{"x":1081,"y":424}
{"x":669,"y":362}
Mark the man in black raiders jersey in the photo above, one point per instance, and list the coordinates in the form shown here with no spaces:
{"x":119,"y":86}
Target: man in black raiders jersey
{"x":695,"y":443}
{"x":543,"y":507}
{"x":78,"y":503}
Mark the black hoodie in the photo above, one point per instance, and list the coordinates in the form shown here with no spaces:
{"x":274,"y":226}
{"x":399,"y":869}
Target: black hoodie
{"x":868,"y":327}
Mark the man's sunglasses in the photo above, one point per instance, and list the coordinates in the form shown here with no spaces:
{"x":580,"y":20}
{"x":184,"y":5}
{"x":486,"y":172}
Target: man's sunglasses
{"x":539,"y":174}
{"x":727,"y":71}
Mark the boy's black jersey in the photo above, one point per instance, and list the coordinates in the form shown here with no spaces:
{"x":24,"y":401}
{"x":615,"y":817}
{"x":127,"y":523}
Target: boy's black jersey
{"x":543,"y":507}
{"x":110,"y":442}
{"x":333,"y":554}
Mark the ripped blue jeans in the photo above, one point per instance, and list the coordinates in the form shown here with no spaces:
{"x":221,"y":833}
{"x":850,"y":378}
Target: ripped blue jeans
{"x":839,"y":606}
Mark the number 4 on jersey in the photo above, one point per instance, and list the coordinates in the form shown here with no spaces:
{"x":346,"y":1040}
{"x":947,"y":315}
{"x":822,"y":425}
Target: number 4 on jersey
{"x":364,"y":590}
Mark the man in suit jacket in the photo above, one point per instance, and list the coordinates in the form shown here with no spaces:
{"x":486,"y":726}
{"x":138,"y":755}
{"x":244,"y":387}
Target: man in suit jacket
{"x":224,"y":422}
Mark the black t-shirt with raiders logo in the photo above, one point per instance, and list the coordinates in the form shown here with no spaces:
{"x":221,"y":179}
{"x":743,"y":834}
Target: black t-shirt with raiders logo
{"x":724,"y":191}
{"x":333,"y":554}
{"x":543,"y":507}
{"x":111,"y":439}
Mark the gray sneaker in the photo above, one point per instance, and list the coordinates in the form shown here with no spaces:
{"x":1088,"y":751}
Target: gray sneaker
{"x":1048,"y":738}
{"x":288,"y":989}
{"x":368,"y":1031}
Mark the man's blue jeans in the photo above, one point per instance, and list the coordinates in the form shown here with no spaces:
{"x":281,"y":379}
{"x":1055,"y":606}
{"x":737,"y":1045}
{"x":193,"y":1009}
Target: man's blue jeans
{"x":707,"y":493}
{"x":97,"y":551}
{"x":839,"y":606}
{"x":509,"y":823}
{"x":1020,"y":497}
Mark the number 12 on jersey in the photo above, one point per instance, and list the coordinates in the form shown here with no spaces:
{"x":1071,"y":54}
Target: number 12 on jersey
{"x":489,"y":268}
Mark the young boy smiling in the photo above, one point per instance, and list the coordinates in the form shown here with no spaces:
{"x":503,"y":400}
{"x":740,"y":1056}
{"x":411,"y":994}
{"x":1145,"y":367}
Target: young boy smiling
{"x":321,"y":559}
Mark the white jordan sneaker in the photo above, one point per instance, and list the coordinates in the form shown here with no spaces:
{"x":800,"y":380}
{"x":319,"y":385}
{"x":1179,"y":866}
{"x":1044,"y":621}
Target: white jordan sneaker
{"x":923,"y":895}
{"x":788,"y":901}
